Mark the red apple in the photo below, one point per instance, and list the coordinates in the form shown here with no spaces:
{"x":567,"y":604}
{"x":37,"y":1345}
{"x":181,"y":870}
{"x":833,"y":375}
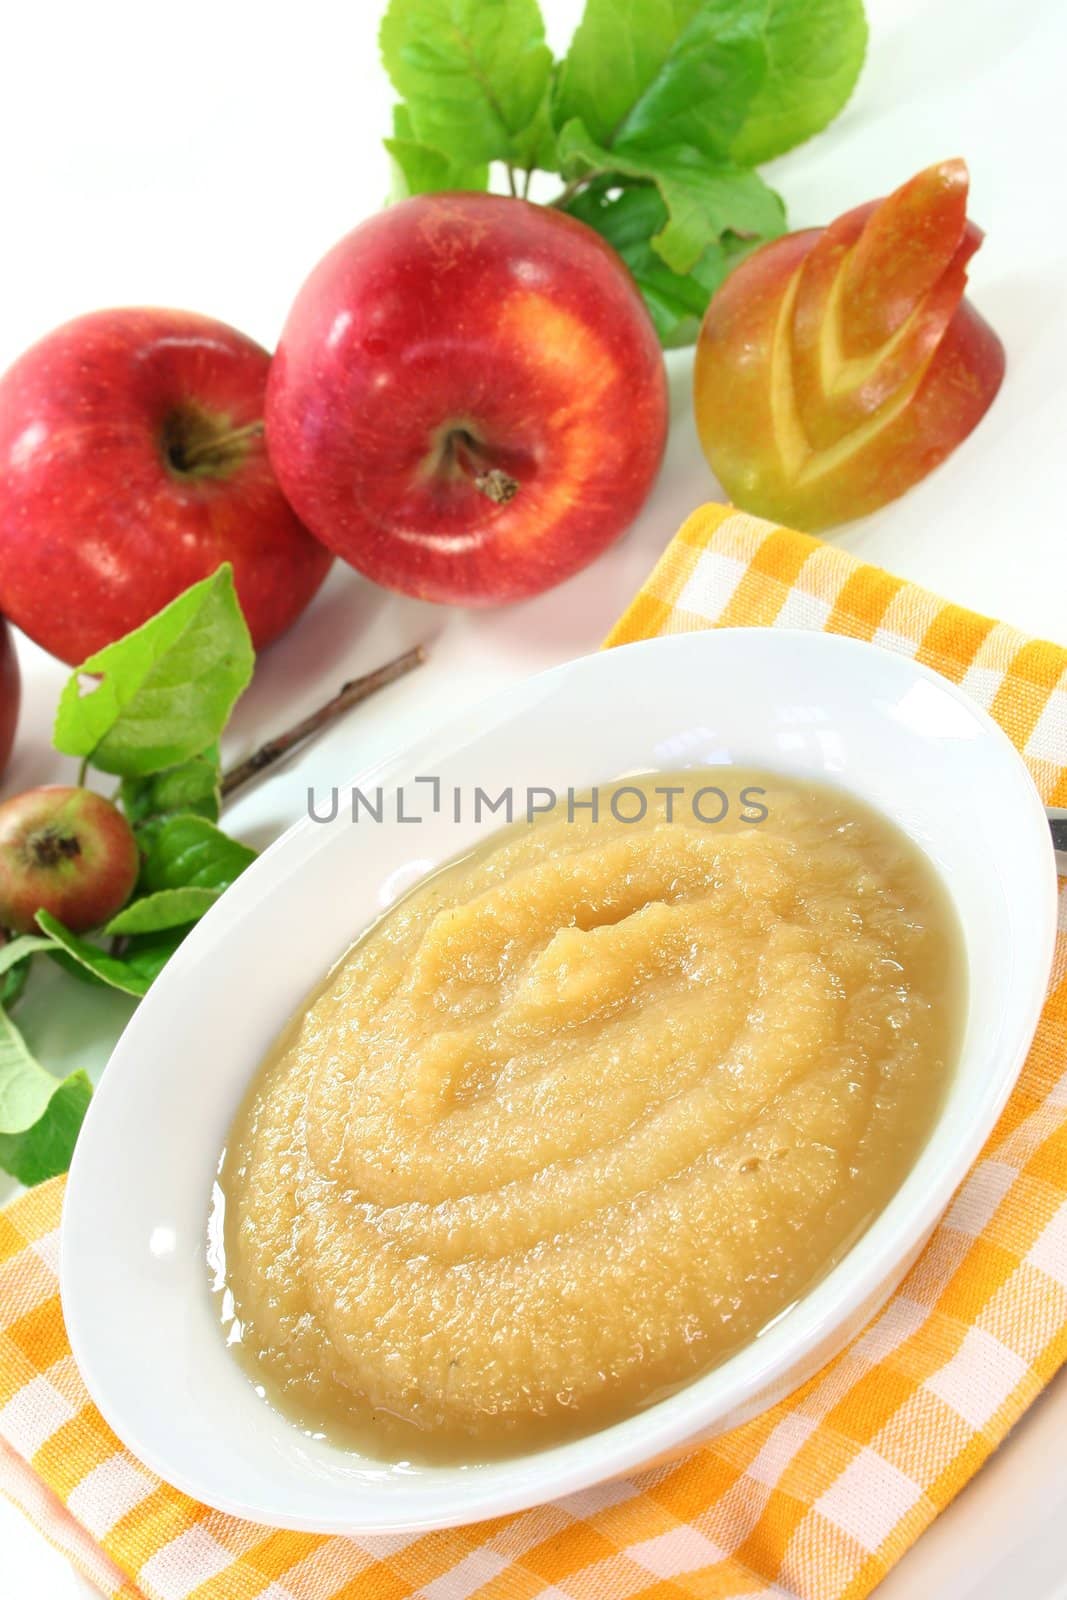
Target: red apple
{"x":64,"y":850}
{"x":468,"y":402}
{"x":132,"y":465}
{"x":10,"y":693}
{"x":838,"y":366}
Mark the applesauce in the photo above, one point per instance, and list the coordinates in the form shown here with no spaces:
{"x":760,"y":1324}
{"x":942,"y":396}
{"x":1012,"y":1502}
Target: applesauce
{"x":583,"y":1112}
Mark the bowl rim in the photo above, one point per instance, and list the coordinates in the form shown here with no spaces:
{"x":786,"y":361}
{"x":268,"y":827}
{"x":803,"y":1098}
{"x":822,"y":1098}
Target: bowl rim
{"x":676,"y":1422}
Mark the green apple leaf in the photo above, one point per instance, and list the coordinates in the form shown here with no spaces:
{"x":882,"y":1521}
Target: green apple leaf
{"x":166,"y":690}
{"x":25,"y":1086}
{"x":191,"y":787}
{"x":618,"y":50}
{"x":629,"y":218}
{"x":39,"y":1114}
{"x":702,"y":202}
{"x":419,"y":169}
{"x":133,"y":972}
{"x":15,"y":957}
{"x":18,"y":950}
{"x":475,"y":75}
{"x":815,"y":51}
{"x":13,"y":983}
{"x":43,"y":1150}
{"x":78,"y":969}
{"x":746,"y":79}
{"x":652,"y":74}
{"x":190,"y":852}
{"x":167,"y":908}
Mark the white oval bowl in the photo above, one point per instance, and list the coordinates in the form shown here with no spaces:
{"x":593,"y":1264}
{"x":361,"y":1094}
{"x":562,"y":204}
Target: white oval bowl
{"x":143,"y":1327}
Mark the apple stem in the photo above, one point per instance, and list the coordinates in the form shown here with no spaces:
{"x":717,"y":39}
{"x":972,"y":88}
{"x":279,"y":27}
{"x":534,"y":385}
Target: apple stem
{"x":350,"y":694}
{"x":217,"y":448}
{"x":469,"y":454}
{"x":497,"y":485}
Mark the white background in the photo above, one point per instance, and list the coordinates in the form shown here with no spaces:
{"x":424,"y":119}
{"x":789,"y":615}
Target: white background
{"x":205,"y":155}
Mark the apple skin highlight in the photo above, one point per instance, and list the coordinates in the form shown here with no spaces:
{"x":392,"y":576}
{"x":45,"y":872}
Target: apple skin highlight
{"x":468,"y":402}
{"x":132,"y":465}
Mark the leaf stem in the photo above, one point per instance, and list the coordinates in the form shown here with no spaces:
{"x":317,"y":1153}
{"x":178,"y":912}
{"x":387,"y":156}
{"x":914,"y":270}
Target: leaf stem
{"x":350,"y":694}
{"x":513,"y":188}
{"x":575,"y":186}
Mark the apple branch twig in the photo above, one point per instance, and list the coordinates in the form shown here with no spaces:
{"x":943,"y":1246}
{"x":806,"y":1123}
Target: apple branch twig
{"x":350,"y":694}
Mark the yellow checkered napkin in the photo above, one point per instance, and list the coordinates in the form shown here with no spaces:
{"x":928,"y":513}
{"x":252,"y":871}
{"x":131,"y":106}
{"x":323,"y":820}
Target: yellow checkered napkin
{"x":816,"y":1498}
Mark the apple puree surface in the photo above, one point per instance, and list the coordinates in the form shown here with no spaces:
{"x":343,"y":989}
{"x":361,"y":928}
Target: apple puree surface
{"x":582,"y":1113}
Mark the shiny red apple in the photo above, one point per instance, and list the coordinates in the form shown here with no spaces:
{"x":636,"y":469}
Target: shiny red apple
{"x":10,"y":693}
{"x":468,"y":402}
{"x":65,"y":850}
{"x":132,"y":464}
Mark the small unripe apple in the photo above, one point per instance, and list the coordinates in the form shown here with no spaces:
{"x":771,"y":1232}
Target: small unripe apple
{"x":10,"y":692}
{"x":64,"y":850}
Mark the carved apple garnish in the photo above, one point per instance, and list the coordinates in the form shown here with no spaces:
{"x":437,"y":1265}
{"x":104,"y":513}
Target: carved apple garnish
{"x":838,"y":366}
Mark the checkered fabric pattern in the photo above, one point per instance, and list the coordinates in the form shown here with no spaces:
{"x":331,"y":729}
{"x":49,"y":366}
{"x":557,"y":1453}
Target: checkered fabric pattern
{"x":816,"y":1498}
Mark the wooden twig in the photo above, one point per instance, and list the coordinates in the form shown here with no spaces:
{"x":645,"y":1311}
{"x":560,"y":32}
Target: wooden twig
{"x":350,"y":694}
